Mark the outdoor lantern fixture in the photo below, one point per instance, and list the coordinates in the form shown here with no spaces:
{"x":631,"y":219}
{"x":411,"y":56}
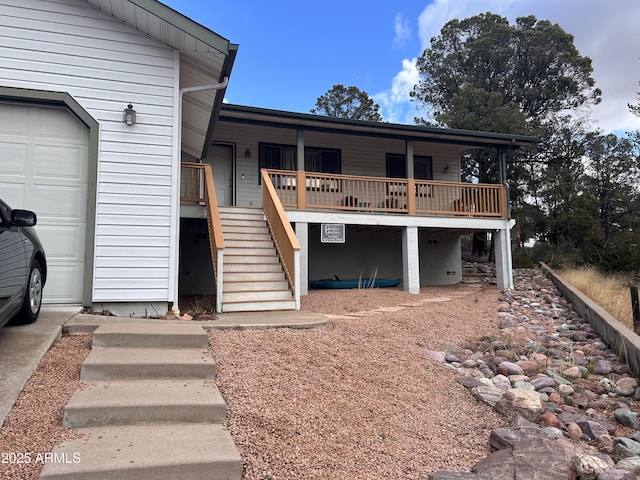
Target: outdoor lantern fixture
{"x":129,"y":115}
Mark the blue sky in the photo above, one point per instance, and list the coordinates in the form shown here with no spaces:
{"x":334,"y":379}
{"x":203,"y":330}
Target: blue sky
{"x":291,"y":52}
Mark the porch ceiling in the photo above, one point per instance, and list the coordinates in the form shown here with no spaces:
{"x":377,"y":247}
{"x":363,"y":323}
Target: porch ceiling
{"x":205,"y":58}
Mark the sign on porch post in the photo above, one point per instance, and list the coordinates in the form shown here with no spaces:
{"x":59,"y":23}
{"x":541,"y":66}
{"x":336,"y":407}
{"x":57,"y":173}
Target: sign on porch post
{"x":332,"y":233}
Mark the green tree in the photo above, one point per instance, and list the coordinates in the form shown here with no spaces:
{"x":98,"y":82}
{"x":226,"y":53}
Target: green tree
{"x":347,"y":102}
{"x":612,"y":177}
{"x":483,"y":73}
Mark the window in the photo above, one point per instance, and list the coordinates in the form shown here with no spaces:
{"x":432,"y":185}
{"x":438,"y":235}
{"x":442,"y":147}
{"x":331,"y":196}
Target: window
{"x":278,"y":157}
{"x":322,"y":160}
{"x":397,"y":166}
{"x":284,"y":157}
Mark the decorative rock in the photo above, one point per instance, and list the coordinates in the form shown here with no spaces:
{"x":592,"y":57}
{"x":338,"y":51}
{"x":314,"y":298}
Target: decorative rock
{"x":588,"y":467}
{"x":624,"y":448}
{"x":487,"y":393}
{"x":520,"y":401}
{"x":529,"y":367}
{"x":509,"y":368}
{"x":501,"y":382}
{"x":437,"y":356}
{"x":572,"y":372}
{"x":565,"y":390}
{"x":617,"y":474}
{"x":534,"y":458}
{"x":542,"y":382}
{"x":574,"y":431}
{"x":625,"y":387}
{"x":604,"y":443}
{"x":631,"y":464}
{"x":602,"y":367}
{"x":592,"y":429}
{"x":626,"y":418}
{"x":550,"y":420}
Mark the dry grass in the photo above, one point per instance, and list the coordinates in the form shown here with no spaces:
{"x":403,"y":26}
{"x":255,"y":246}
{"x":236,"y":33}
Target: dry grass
{"x":611,"y":292}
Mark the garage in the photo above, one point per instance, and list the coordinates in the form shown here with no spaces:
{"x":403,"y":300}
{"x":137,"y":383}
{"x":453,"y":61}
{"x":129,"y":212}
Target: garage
{"x":44,"y":151}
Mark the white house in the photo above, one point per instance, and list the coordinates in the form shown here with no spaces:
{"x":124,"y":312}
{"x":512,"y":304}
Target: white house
{"x":129,"y":213}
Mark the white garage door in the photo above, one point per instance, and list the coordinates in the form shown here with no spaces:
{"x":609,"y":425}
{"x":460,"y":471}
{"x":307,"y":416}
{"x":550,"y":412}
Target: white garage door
{"x":43,"y":167}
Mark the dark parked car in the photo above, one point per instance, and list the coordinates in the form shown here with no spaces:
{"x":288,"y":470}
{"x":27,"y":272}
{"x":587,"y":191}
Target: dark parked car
{"x":23,"y":266}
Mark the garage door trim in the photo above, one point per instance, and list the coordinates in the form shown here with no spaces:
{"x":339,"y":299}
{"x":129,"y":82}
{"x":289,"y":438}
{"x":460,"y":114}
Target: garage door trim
{"x":44,"y":97}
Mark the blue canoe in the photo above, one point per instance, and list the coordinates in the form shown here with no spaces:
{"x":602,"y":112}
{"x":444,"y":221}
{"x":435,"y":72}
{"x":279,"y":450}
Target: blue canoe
{"x":354,"y":283}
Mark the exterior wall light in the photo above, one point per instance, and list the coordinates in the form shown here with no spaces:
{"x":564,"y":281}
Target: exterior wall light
{"x":129,"y":115}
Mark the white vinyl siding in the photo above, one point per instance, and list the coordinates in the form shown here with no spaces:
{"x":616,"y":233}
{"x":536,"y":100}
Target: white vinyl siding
{"x":69,"y":46}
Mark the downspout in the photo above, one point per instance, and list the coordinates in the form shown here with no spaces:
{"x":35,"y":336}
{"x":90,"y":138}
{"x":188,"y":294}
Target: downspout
{"x":182,"y":91}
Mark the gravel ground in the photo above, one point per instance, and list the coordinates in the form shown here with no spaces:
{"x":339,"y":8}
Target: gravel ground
{"x":34,"y":424}
{"x":359,"y":399}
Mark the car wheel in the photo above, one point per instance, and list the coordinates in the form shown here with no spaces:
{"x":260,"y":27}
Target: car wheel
{"x":33,"y":295}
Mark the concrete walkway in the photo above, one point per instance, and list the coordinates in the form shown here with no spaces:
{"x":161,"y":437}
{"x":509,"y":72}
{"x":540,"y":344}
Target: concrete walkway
{"x":22,"y":347}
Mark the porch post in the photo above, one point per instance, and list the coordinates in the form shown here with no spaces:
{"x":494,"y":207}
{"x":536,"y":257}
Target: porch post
{"x":502,"y":176}
{"x":411,"y":183}
{"x":302,"y":232}
{"x":504,"y":266}
{"x":410,"y":260}
{"x":301,"y":182}
{"x":409,"y":148}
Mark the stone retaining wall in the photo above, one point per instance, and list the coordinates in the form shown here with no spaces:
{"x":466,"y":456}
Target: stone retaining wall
{"x":618,"y":337}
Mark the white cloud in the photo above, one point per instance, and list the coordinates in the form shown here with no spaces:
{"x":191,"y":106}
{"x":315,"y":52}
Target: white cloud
{"x":402,"y":31}
{"x":394,"y":102}
{"x":608,"y":34}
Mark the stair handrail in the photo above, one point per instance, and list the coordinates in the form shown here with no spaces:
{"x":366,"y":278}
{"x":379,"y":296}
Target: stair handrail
{"x":284,"y":237}
{"x":214,"y":225}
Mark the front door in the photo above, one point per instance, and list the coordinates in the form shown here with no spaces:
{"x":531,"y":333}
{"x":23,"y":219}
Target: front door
{"x":220,"y":158}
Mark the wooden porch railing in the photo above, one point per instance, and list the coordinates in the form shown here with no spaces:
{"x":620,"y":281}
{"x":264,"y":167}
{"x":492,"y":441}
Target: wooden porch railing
{"x":284,"y":237}
{"x":197,"y":187}
{"x":387,"y":195}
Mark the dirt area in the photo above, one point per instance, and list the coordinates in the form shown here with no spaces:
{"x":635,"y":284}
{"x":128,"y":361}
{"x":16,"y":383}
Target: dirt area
{"x":359,"y":399}
{"x":34,"y":424}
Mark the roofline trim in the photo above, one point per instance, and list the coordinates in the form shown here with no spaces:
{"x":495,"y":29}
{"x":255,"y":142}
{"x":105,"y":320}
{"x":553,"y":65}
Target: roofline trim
{"x":184,"y":23}
{"x":395,"y":129}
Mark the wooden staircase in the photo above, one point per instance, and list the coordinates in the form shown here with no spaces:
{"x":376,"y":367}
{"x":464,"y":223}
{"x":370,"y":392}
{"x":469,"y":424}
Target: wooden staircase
{"x":253,"y":278}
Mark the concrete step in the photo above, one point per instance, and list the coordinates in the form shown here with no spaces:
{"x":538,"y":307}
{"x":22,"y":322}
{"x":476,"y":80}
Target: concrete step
{"x":259,"y":306}
{"x":256,"y":296}
{"x":151,"y":336}
{"x":103,"y":364}
{"x":249,"y":259}
{"x":249,"y":251}
{"x":147,"y":452}
{"x":253,"y":276}
{"x":254,"y":267}
{"x":243,"y":286}
{"x":144,"y":401}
